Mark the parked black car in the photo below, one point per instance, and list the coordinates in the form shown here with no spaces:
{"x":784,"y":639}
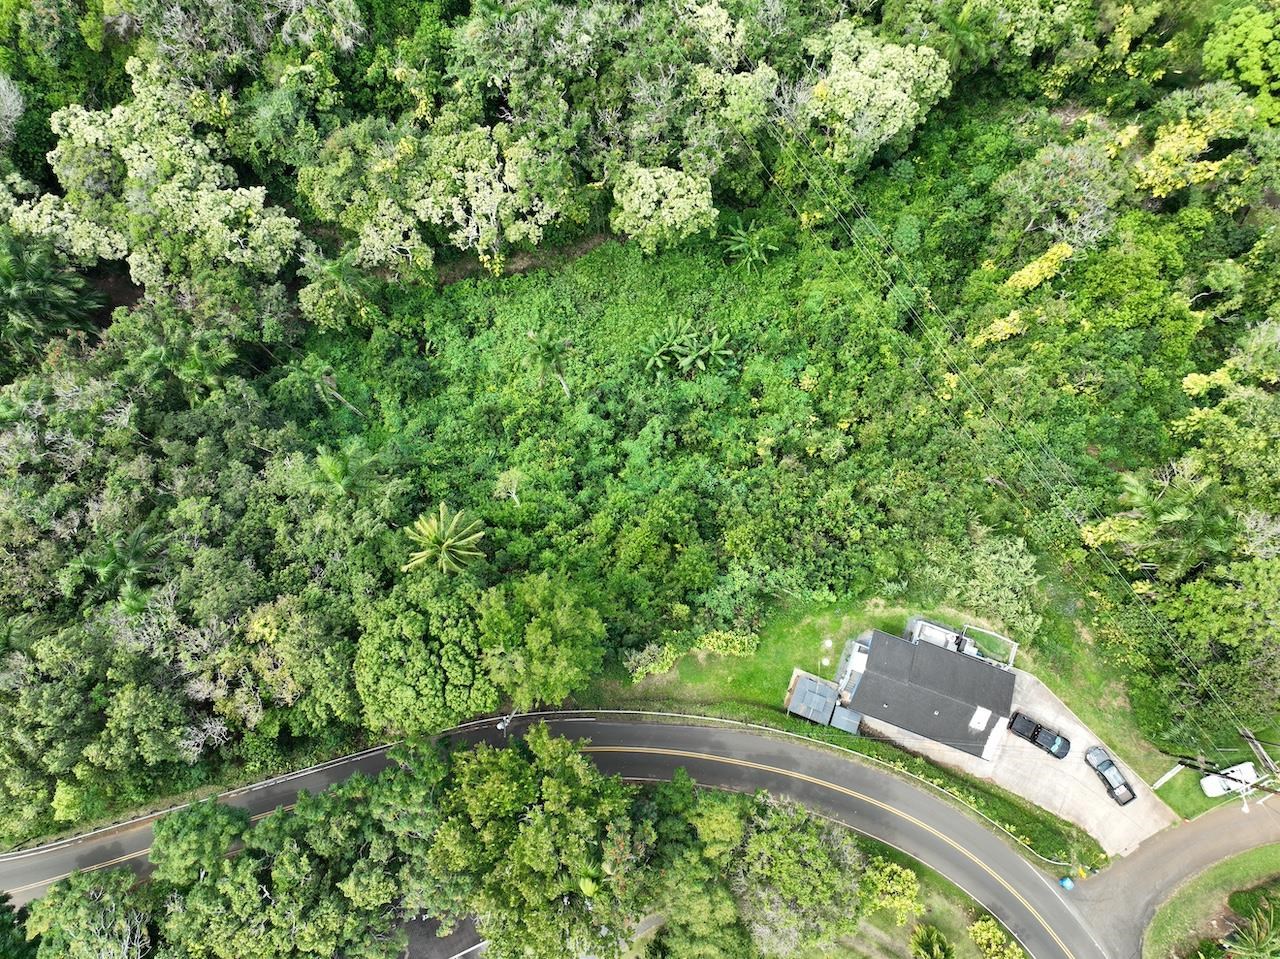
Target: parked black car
{"x":1110,"y":774}
{"x":1053,"y":743}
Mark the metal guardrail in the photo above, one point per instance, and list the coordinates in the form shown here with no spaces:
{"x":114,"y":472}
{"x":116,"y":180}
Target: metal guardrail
{"x":565,"y":713}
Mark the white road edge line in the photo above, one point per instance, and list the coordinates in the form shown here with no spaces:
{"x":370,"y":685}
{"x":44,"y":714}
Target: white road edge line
{"x":566,"y":715}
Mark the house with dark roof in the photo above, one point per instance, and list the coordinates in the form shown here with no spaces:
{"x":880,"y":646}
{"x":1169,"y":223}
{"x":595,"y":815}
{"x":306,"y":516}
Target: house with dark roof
{"x":933,"y":685}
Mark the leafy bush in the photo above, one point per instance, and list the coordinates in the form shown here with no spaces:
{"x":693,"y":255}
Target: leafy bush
{"x":928,"y":942}
{"x":653,"y":659}
{"x":992,"y":941}
{"x":683,"y":348}
{"x":729,"y":642}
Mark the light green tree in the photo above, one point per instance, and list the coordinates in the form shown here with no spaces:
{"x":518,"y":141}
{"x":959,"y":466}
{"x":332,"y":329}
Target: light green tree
{"x":190,"y":844}
{"x":992,"y":941}
{"x":1187,"y":150}
{"x":1244,"y":47}
{"x":892,"y":887}
{"x":797,"y":880}
{"x":418,"y":666}
{"x":872,"y":93}
{"x":541,"y":638}
{"x":488,"y":188}
{"x":140,"y":183}
{"x":94,"y":915}
{"x":521,"y":828}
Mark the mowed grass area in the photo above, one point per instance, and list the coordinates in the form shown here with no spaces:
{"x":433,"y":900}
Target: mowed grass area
{"x":1183,"y":792}
{"x":752,"y":689}
{"x":1064,"y":657}
{"x":1186,"y":798}
{"x":806,"y":637}
{"x":1199,"y":910}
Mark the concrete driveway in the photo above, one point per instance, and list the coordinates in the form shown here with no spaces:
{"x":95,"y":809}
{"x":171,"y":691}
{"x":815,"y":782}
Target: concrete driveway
{"x":1066,"y":787}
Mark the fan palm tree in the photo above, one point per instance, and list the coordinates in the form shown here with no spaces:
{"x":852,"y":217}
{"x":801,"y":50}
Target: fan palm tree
{"x":39,"y":297}
{"x":547,"y":355}
{"x":447,"y":540}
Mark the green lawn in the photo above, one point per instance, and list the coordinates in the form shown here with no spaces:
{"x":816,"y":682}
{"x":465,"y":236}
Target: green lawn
{"x":1183,"y":792}
{"x":1184,"y":919}
{"x":1064,"y":658}
{"x":752,"y":689}
{"x":1184,"y":795}
{"x":1244,"y":901}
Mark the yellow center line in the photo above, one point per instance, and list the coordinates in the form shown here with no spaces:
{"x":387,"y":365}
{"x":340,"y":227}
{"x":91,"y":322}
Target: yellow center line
{"x":706,"y":757}
{"x":835,"y":787}
{"x":119,"y":859}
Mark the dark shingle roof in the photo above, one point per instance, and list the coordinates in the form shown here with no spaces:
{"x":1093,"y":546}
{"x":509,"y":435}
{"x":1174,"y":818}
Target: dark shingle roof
{"x":933,"y":692}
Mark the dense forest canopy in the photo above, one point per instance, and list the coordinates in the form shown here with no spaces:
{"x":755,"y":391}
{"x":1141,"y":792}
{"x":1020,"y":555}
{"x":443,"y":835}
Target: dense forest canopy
{"x":285,"y":459}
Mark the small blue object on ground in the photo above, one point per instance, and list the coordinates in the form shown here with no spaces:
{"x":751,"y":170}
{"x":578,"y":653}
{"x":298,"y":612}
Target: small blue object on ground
{"x":1066,"y":882}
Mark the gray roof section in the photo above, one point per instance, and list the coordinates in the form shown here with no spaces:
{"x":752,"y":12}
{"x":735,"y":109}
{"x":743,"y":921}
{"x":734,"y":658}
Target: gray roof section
{"x":813,"y":699}
{"x":933,"y":692}
{"x":846,"y":719}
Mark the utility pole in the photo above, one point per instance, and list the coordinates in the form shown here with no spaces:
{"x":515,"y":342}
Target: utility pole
{"x":1249,"y":787}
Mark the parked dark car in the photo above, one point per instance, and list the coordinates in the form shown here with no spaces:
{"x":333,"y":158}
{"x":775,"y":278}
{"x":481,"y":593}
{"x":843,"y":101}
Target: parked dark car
{"x":1110,"y":774}
{"x":1055,"y":744}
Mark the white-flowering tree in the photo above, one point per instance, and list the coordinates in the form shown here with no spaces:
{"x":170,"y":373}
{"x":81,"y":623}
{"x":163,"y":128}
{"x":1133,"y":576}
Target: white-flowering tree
{"x":11,"y":107}
{"x":486,"y":189}
{"x":872,"y":93}
{"x":660,"y":205}
{"x":1065,"y":193}
{"x":140,"y":183}
{"x":204,"y":42}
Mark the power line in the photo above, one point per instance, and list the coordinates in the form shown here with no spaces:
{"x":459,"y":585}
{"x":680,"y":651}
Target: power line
{"x":970,"y":388}
{"x":1048,"y":454}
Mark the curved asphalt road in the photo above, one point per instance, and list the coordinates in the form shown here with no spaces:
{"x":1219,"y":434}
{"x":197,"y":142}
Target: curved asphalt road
{"x":870,"y":800}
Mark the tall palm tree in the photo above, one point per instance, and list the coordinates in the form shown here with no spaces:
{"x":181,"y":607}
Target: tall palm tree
{"x":1182,"y":521}
{"x":547,"y":355}
{"x":39,"y":297}
{"x":342,"y":285}
{"x":123,"y":563}
{"x":344,"y":472}
{"x":960,"y":39}
{"x":447,"y":540}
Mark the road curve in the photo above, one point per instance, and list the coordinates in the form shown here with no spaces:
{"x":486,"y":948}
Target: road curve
{"x":1122,"y":900}
{"x":870,"y":800}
